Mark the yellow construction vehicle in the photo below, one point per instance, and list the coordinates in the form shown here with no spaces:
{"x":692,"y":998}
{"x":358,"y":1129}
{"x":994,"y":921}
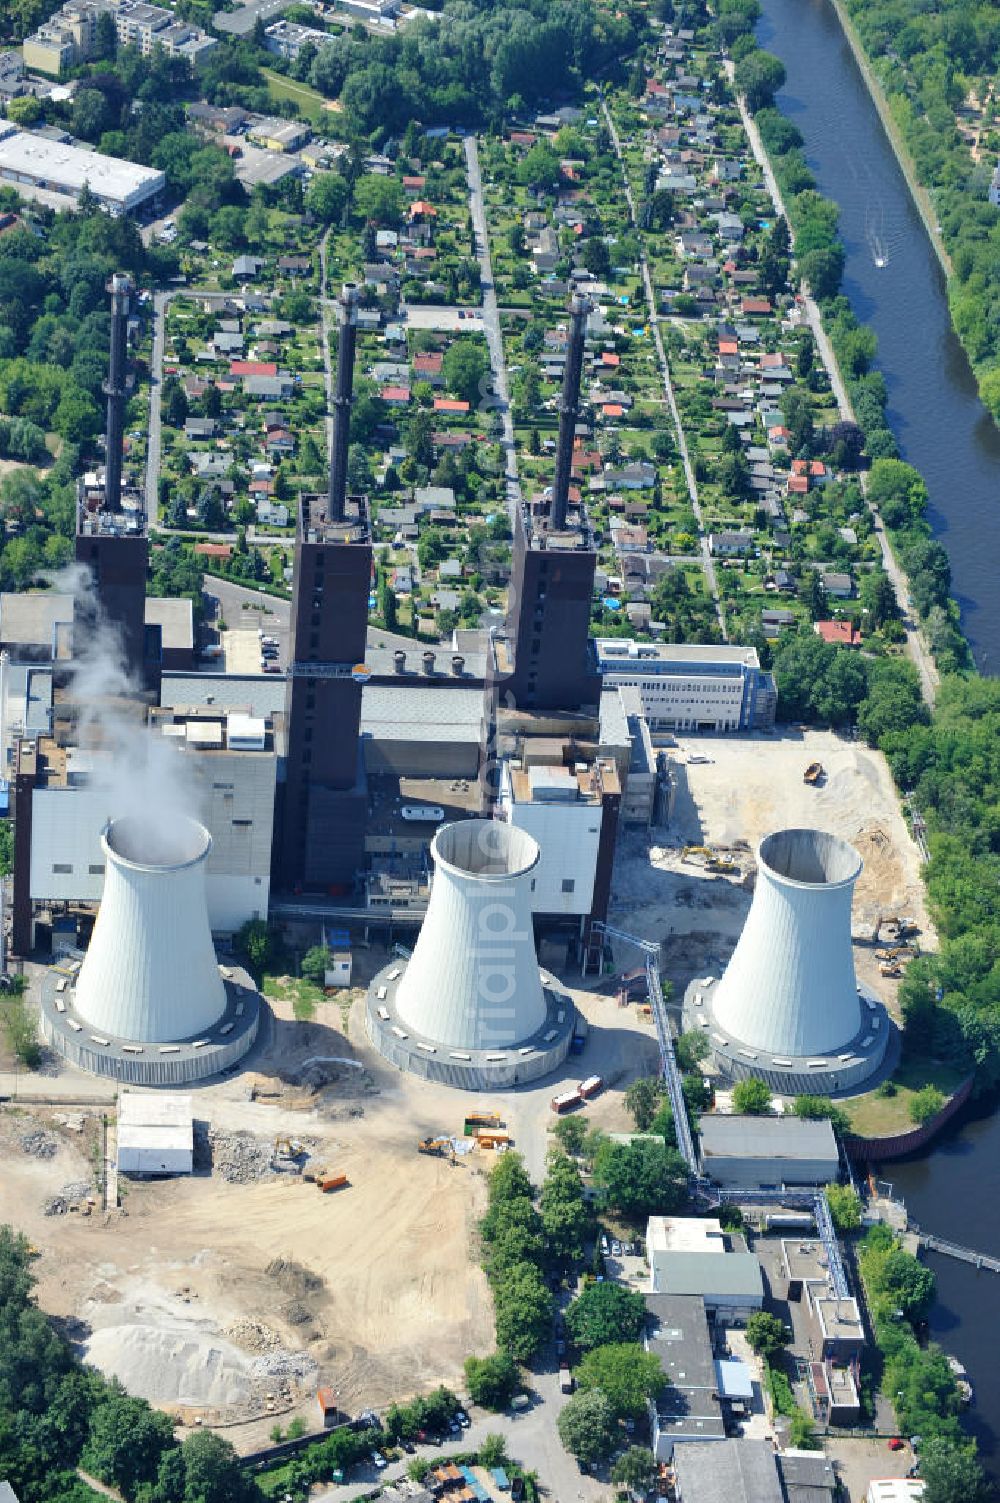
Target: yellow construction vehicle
{"x":696,"y":850}
{"x":813,"y":773}
{"x":438,"y":1146}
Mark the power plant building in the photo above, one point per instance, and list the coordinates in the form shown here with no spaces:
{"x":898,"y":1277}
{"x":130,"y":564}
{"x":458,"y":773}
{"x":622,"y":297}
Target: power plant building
{"x":788,"y":1009}
{"x":150,"y":1004}
{"x":692,"y":687}
{"x":751,"y":1152}
{"x":470,"y":1007}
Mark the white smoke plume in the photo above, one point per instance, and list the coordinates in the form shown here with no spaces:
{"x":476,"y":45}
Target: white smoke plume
{"x":143,"y":773}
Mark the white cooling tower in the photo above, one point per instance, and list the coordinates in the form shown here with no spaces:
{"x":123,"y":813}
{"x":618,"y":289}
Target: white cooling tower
{"x":150,"y":973}
{"x":473,"y":981}
{"x":790,"y":987}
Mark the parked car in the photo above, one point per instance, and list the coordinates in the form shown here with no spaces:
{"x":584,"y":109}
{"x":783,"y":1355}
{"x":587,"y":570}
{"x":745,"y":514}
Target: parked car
{"x":616,"y":1249}
{"x":605,"y":1245}
{"x":895,"y":1444}
{"x":379,"y":1460}
{"x":408,"y":1447}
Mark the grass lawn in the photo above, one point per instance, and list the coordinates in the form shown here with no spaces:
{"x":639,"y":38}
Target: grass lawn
{"x":310,"y":102}
{"x":881,"y":1116}
{"x":302,"y":994}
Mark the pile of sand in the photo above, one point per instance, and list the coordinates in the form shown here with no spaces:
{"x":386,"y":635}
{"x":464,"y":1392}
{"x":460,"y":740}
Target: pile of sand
{"x":172,"y":1366}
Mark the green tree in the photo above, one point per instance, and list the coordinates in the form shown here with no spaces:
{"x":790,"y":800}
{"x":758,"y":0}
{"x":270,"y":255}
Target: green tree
{"x":327,"y":196}
{"x":845,"y":1207}
{"x":605,"y":1313}
{"x":539,"y":167}
{"x":315,"y":964}
{"x":569,"y":1132}
{"x":758,"y":77}
{"x":564,"y":1211}
{"x":379,"y":199}
{"x":690,"y":1049}
{"x":587,"y":1427}
{"x":641,"y":1178}
{"x":801,"y":1433}
{"x":751,"y":1098}
{"x":523,"y":1311}
{"x":127,"y":1441}
{"x":491,"y":1381}
{"x":635,"y":1469}
{"x":463,"y":369}
{"x":766,"y":1334}
{"x":508,"y":1180}
{"x":626,"y":1374}
{"x":643,"y":1099}
{"x":951,"y":1473}
{"x":255,"y":943}
{"x":213,"y":1473}
{"x":909,"y":1284}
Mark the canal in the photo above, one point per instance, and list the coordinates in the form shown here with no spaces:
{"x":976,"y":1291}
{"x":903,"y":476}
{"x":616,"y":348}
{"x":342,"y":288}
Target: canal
{"x":934,"y":411}
{"x":942,"y":429}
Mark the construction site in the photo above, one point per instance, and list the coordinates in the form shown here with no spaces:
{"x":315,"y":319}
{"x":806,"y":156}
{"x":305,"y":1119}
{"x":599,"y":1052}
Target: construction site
{"x":692,"y":890}
{"x":327,"y":1230}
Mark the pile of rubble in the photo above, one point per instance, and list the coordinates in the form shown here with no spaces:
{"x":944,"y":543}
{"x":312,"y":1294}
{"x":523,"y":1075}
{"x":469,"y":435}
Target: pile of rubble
{"x":69,"y":1196}
{"x":252,"y":1336}
{"x":297,"y":1366}
{"x":240,"y":1157}
{"x":39,"y":1144}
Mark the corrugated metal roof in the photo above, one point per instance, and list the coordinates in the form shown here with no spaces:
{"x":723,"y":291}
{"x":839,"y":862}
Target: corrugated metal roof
{"x":766,"y":1137}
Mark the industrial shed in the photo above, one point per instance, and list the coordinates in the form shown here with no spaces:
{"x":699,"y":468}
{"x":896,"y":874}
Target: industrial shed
{"x":155,"y":1133}
{"x":753,"y":1151}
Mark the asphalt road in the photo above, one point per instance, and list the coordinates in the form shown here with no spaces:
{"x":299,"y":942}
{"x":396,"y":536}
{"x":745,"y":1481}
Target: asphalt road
{"x":491,"y":321}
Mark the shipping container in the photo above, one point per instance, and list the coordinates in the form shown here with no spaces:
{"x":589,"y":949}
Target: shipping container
{"x":591,"y":1086}
{"x":566,"y":1101}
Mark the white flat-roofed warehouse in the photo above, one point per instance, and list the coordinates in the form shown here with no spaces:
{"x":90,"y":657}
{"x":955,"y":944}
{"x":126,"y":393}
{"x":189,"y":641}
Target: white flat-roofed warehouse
{"x":155,"y":1133}
{"x":54,"y":167}
{"x":753,"y":1151}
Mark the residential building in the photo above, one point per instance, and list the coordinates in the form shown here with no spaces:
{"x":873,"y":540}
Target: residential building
{"x":69,"y":36}
{"x":807,"y":1477}
{"x":287,"y":38}
{"x":994,"y":188}
{"x":687,"y":686}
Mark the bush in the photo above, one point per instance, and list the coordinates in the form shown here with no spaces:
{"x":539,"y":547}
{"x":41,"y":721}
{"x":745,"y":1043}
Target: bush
{"x":22,"y":1033}
{"x":491,"y":1381}
{"x":845,"y":1207}
{"x":926,"y":1104}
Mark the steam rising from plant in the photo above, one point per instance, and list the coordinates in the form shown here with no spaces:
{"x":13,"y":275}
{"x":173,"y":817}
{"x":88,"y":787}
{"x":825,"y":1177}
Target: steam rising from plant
{"x":143,"y":773}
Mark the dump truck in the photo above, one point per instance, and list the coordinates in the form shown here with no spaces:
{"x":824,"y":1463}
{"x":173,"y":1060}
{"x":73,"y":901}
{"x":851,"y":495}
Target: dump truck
{"x":813,"y":773}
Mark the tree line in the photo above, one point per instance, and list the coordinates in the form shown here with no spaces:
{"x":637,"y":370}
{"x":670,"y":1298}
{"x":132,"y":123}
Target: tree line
{"x":56,"y":1415}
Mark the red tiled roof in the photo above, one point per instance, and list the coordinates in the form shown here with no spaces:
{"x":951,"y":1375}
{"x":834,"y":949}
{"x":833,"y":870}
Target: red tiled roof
{"x":214,"y":550}
{"x":447,"y":404}
{"x":253,"y":368}
{"x":838,"y":633}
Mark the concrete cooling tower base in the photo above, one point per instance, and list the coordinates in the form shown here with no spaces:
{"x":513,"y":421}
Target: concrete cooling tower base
{"x":494,"y":1069}
{"x":180,"y":1062}
{"x":842,"y":1073}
